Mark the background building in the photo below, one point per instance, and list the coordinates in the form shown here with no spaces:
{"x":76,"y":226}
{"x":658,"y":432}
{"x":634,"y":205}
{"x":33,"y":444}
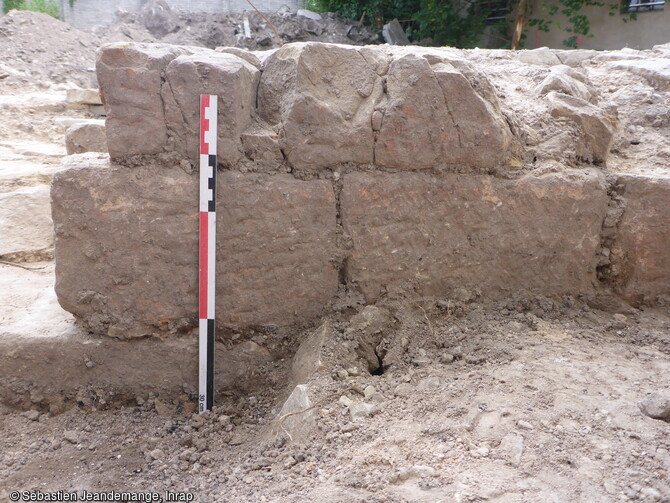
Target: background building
{"x":652,"y":27}
{"x":89,"y":13}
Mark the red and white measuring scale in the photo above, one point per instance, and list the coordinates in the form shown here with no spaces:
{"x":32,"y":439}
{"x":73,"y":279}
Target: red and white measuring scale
{"x":207,"y":268}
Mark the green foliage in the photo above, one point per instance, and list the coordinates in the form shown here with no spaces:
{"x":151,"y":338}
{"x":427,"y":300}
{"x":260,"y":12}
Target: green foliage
{"x":579,"y":24}
{"x":444,"y":22}
{"x":460,"y":23}
{"x":377,"y":12}
{"x":450,"y":23}
{"x":13,"y":5}
{"x":49,"y":7}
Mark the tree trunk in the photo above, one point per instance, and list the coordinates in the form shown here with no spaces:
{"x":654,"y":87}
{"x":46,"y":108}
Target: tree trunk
{"x":520,"y":21}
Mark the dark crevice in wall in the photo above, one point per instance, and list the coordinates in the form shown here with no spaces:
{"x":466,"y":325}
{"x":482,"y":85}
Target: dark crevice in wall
{"x":380,"y":369}
{"x":341,"y":251}
{"x":609,"y":261}
{"x":381,"y":109}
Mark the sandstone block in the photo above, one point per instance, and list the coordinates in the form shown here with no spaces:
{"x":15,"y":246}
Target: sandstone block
{"x":434,"y":116}
{"x":262,"y":147}
{"x":566,"y":80}
{"x":641,"y":253}
{"x":296,"y":417}
{"x":415,"y":119}
{"x":309,"y":358}
{"x":542,"y":56}
{"x":482,"y":135}
{"x":127,"y":248}
{"x":83,"y":97}
{"x":438,"y":233}
{"x":130,"y":84}
{"x":233,"y":79}
{"x":655,"y":70}
{"x":87,"y":137}
{"x":324,"y":96}
{"x":277,"y":254}
{"x":598,"y":125}
{"x":25,"y":221}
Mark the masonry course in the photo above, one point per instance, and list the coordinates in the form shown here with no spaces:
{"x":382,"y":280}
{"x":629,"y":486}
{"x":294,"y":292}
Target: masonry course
{"x":344,"y":170}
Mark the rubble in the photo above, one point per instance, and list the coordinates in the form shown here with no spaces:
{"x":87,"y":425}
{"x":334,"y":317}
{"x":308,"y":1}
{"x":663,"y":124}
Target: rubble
{"x":656,"y":406}
{"x":249,"y":30}
{"x":82,"y":138}
{"x":597,"y":125}
{"x":542,"y":56}
{"x":309,"y":358}
{"x":309,"y":14}
{"x":368,"y":328}
{"x":394,"y":34}
{"x":83,"y":97}
{"x":566,"y":80}
{"x":297,"y":418}
{"x":655,"y":70}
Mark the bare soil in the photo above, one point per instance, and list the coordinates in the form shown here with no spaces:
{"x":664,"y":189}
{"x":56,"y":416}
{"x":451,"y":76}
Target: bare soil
{"x":514,"y":402}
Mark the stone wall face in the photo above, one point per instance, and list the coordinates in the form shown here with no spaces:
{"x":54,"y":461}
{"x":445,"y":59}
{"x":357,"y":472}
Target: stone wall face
{"x":642,"y":248}
{"x":127,"y":250}
{"x":363,"y":170}
{"x":538,"y":234}
{"x":332,"y":105}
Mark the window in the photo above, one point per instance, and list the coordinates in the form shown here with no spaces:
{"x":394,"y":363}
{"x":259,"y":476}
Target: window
{"x":498,"y":10}
{"x":643,"y":5}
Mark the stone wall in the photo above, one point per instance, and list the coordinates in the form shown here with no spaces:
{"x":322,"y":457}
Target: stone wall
{"x":361,"y":171}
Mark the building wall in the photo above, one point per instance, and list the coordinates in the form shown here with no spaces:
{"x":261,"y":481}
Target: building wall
{"x":89,"y":13}
{"x":609,"y":32}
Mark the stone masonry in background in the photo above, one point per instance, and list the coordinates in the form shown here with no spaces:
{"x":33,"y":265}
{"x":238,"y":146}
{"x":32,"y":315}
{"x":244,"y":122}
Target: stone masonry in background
{"x":343,"y":169}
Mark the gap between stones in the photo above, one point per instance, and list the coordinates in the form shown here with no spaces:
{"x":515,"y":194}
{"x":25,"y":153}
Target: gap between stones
{"x":605,"y":271}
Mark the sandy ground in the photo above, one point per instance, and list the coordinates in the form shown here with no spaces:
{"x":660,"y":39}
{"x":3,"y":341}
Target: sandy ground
{"x":504,"y":403}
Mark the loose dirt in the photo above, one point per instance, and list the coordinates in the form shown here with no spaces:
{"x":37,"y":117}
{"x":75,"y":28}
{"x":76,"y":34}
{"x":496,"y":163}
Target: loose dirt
{"x":514,"y":402}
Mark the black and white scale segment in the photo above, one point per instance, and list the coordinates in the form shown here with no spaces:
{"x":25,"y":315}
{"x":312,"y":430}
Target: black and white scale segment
{"x":207,"y":267}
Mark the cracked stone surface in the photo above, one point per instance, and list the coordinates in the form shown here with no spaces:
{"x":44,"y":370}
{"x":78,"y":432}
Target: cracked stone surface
{"x":127,"y":248}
